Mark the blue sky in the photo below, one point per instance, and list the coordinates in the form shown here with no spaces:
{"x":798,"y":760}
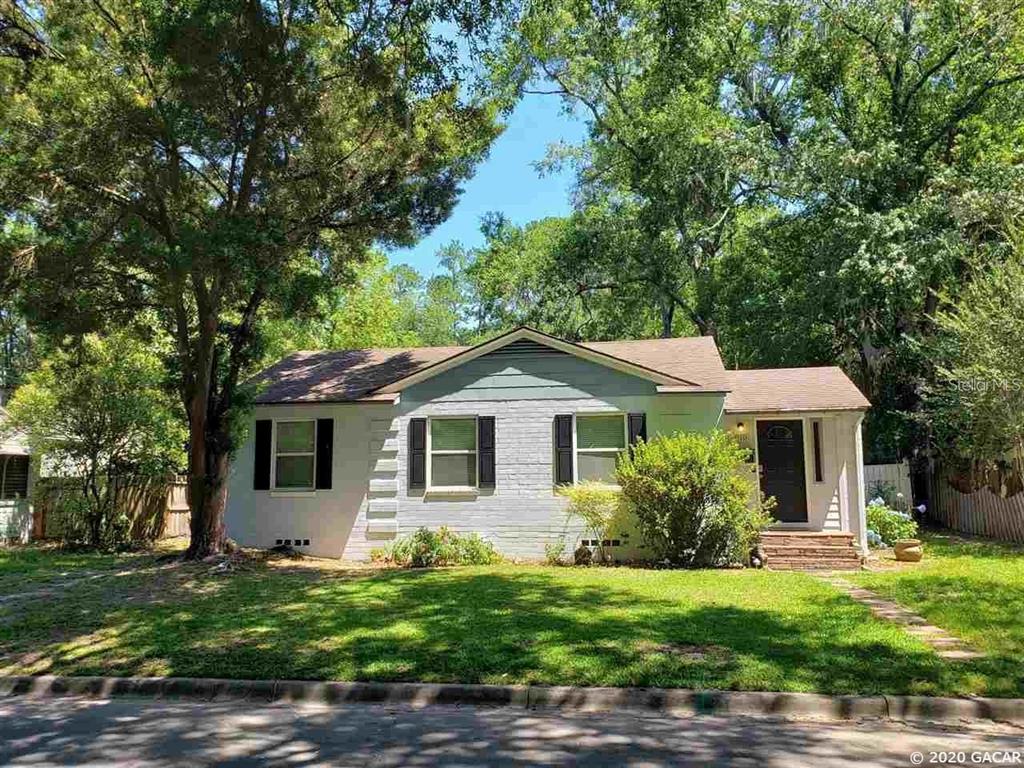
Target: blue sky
{"x":507,"y":182}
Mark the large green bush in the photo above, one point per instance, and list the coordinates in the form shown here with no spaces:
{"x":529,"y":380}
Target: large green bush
{"x":690,"y":495}
{"x":889,"y":525}
{"x":426,"y":548}
{"x":99,"y":413}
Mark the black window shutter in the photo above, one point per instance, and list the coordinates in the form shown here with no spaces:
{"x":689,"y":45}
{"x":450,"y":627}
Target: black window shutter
{"x":417,"y":453}
{"x":324,"y":452}
{"x":563,"y":449}
{"x":485,"y":451}
{"x":637,"y":427}
{"x":261,"y":467}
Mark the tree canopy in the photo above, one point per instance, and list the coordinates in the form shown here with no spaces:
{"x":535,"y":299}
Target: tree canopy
{"x":810,"y":181}
{"x":213,"y":163}
{"x":802,"y":179}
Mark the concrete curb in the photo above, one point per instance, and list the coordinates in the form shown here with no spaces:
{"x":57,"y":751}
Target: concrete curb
{"x":671,"y":700}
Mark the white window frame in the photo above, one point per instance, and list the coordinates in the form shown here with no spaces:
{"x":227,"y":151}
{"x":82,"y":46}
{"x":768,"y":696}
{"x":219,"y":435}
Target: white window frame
{"x":475,"y":453}
{"x":274,"y":454}
{"x":576,"y":449}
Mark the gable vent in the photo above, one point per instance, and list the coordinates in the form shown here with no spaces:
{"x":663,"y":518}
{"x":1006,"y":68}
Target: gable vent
{"x":525,"y":347}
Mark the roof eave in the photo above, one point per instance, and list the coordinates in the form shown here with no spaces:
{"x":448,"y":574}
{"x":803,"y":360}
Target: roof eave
{"x":370,"y":399}
{"x":668,"y":389}
{"x":810,"y":409}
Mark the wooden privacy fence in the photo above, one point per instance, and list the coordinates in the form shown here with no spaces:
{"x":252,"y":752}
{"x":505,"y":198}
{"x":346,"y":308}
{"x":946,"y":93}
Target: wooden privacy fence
{"x":895,"y":476}
{"x":157,"y":507}
{"x":982,"y":511}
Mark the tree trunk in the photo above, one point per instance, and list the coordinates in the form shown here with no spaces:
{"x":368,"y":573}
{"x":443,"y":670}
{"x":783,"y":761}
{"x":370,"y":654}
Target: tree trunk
{"x":207,"y":450}
{"x":210,"y":394}
{"x":208,"y":494}
{"x":668,"y":313}
{"x":207,"y":477}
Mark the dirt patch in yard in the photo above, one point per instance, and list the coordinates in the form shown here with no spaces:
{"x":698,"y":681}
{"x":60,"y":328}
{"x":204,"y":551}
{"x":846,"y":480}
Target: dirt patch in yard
{"x":687,"y":651}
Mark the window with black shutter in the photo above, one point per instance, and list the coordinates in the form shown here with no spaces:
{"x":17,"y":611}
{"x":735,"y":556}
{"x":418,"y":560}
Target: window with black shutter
{"x":417,"y":453}
{"x":563,"y":449}
{"x":485,"y":451}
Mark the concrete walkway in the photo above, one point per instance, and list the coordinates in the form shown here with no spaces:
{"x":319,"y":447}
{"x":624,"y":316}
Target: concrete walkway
{"x":135,"y":732}
{"x":946,"y":645}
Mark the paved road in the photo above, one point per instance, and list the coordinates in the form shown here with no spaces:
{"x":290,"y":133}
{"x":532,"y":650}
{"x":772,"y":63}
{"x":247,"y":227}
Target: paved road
{"x":126,"y":732}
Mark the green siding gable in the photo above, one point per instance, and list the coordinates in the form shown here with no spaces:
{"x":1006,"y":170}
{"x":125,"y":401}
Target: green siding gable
{"x":549,"y":375}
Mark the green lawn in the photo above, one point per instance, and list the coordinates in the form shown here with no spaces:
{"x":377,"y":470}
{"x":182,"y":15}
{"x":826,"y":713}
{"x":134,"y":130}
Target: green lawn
{"x":503,"y":624}
{"x":975,"y":589}
{"x":31,"y":567}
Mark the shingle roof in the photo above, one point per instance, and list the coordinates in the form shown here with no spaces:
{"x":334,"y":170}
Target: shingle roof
{"x":694,"y":358}
{"x":792,"y":389}
{"x":344,"y":375}
{"x":351,"y":375}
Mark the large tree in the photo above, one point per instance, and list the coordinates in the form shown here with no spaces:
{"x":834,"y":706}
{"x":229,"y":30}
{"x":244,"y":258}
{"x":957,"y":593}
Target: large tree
{"x":208,"y":162}
{"x":975,"y":405}
{"x":895,"y":147}
{"x":801,"y":178}
{"x":664,"y":168}
{"x":566,"y":276}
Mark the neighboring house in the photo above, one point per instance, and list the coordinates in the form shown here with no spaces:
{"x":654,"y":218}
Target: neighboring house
{"x":352,"y":449}
{"x":15,"y":485}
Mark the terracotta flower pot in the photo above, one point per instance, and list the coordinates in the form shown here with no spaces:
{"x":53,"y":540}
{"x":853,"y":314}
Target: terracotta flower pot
{"x":909,"y":550}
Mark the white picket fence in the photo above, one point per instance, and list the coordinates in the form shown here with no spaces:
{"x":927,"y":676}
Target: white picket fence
{"x":895,"y":475}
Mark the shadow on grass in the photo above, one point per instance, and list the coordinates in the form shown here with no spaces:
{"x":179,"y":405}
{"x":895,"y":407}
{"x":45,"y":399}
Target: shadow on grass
{"x":974,"y":588}
{"x":509,"y":625}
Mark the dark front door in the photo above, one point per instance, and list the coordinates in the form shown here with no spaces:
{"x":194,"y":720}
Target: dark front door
{"x":780,"y":456}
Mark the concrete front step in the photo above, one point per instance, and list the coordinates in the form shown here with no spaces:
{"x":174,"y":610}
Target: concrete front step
{"x":823,"y":562}
{"x":807,"y":539}
{"x":803,"y":565}
{"x":831,"y":553}
{"x":810,"y":550}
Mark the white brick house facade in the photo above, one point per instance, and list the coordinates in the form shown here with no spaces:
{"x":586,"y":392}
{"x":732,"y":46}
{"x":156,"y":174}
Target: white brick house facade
{"x":370,"y":500}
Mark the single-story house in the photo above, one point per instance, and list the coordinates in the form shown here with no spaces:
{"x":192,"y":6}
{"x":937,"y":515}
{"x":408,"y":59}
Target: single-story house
{"x":351,"y":449}
{"x":15,"y":485}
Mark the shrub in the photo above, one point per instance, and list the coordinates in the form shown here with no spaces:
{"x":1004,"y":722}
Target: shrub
{"x":553,"y":552}
{"x":426,"y":548}
{"x":596,"y":506}
{"x":99,"y":412}
{"x":889,"y":525}
{"x":691,"y":498}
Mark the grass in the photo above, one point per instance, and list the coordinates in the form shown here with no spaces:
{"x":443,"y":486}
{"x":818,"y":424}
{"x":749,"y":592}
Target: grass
{"x":975,"y":589}
{"x":748,"y":630}
{"x":24,"y":568}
